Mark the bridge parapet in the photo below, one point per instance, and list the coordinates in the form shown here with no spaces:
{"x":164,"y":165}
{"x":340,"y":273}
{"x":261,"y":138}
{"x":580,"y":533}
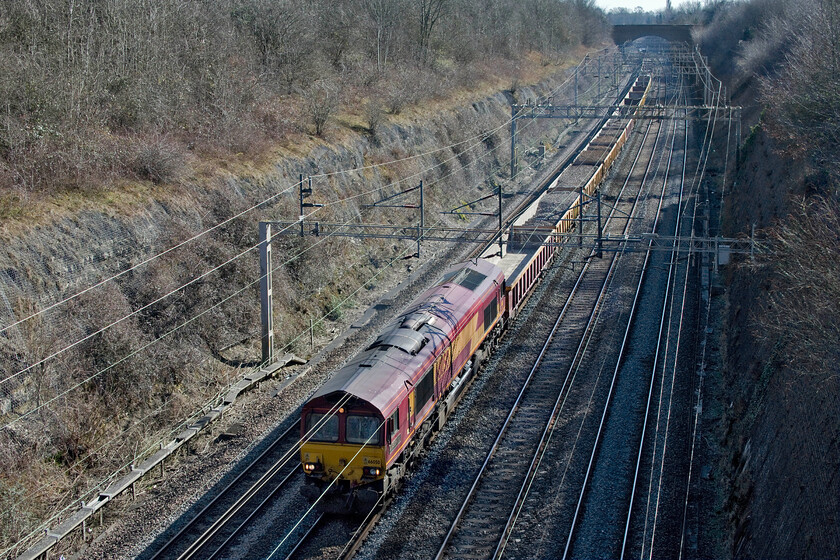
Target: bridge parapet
{"x":673,"y":33}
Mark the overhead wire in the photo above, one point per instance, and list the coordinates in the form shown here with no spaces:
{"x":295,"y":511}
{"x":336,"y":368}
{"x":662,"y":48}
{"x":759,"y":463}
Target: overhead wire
{"x":168,"y":333}
{"x":143,"y":347}
{"x":200,"y":277}
{"x":282,"y":461}
{"x":439,"y":179}
{"x":160,"y":337}
{"x":246,"y":211}
{"x":89,"y":336}
{"x":146,"y":261}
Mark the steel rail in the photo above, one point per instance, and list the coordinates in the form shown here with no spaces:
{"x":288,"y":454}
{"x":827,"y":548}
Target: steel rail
{"x":699,"y":392}
{"x":252,"y":514}
{"x":219,"y":522}
{"x":222,"y":492}
{"x":223,"y":520}
{"x":622,"y":350}
{"x":306,"y":536}
{"x":524,"y":205}
{"x":510,"y":416}
{"x":197,"y":545}
{"x":356,"y":539}
{"x":526,"y":384}
{"x":549,"y":427}
{"x":672,"y":269}
{"x":670,"y":403}
{"x":375,"y":514}
{"x":557,"y":409}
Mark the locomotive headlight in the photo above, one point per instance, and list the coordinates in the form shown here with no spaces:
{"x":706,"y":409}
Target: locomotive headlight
{"x":309,"y":467}
{"x":372,"y":471}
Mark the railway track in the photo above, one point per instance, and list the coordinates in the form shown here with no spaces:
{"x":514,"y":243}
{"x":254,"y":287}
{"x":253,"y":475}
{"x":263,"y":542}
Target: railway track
{"x":596,"y":502}
{"x":612,"y":458}
{"x":214,"y":527}
{"x":666,"y":353}
{"x":214,"y":531}
{"x":483,"y":522}
{"x":336,"y":537}
{"x":601,"y":525}
{"x":657,"y":518}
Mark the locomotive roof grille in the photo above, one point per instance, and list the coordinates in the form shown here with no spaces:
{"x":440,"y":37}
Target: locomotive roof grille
{"x":416,"y":320}
{"x":407,"y":340}
{"x":466,"y":277}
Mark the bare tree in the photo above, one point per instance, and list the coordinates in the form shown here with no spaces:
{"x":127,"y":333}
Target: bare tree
{"x":805,"y":97}
{"x":430,"y":13}
{"x":384,"y":14}
{"x":805,"y":288}
{"x":322,"y":101}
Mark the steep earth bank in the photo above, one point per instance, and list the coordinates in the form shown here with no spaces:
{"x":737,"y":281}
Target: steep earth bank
{"x":98,"y":404}
{"x":773,"y":478}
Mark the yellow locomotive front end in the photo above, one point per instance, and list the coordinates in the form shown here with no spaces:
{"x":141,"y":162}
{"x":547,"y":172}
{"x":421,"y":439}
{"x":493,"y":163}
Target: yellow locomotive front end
{"x":342,"y":456}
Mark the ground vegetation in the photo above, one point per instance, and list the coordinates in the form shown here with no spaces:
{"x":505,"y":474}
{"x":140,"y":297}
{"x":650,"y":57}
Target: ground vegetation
{"x":95,"y":91}
{"x":127,"y":127}
{"x":779,"y":398}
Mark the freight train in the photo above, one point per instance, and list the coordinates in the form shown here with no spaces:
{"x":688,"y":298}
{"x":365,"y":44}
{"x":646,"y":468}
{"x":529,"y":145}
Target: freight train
{"x":365,"y":427}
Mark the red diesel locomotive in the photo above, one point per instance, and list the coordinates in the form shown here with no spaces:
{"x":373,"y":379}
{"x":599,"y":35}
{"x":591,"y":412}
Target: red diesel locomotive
{"x":369,"y":422}
{"x":362,"y":429}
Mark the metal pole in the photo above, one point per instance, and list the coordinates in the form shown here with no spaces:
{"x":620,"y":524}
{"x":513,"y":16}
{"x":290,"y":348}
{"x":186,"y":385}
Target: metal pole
{"x":266,"y":303}
{"x":708,"y":87}
{"x":738,"y":143}
{"x":422,"y":220}
{"x":576,"y":87}
{"x":615,"y":77}
{"x":501,"y":225}
{"x":599,"y":76}
{"x":717,"y":253}
{"x":300,"y":195}
{"x":513,"y":142}
{"x":600,"y":239}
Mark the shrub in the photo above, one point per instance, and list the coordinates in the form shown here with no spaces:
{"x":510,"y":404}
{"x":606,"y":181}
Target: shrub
{"x":322,"y":101}
{"x":159,"y":161}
